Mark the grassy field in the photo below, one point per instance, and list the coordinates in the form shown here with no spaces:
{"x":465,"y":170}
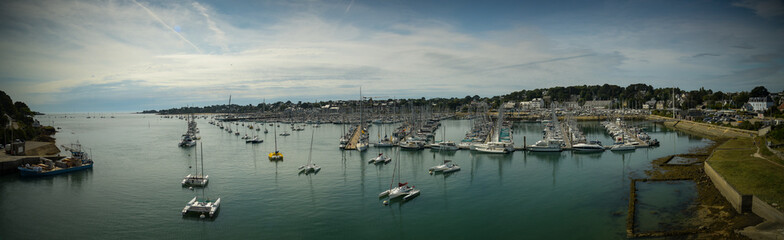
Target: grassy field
{"x":735,"y":161}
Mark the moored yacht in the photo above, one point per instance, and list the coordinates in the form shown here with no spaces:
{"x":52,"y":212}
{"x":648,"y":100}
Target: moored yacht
{"x":380,"y":159}
{"x":545,"y":145}
{"x":588,"y":147}
{"x":623,"y":147}
{"x":447,"y":167}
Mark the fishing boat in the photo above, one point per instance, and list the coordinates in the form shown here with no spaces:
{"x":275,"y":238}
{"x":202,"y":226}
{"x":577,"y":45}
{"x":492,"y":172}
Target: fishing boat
{"x":380,"y":159}
{"x":79,"y":160}
{"x":310,"y":167}
{"x":276,"y":156}
{"x":447,"y":167}
{"x":198,"y":179}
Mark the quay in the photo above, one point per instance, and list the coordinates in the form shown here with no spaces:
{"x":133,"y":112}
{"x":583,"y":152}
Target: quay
{"x":352,"y":142}
{"x":33,"y":152}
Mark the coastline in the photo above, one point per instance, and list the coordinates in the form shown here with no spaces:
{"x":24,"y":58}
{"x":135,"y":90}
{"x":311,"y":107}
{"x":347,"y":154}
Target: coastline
{"x":729,"y":180}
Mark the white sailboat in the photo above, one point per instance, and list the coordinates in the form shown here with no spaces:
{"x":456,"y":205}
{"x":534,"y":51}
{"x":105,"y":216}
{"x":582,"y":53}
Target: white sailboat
{"x":447,"y":167}
{"x":402,"y":189}
{"x":198,"y":179}
{"x":310,"y":167}
{"x":380,"y":159}
{"x":203,"y":208}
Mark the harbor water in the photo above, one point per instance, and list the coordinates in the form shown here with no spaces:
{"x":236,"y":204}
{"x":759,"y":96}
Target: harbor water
{"x":134,"y":189}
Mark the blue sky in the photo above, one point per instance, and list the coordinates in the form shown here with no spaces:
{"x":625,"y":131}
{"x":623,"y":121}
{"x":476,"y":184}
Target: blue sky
{"x":96,"y":56}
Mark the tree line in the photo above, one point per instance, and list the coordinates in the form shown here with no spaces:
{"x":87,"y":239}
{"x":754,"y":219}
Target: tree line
{"x":632,"y":96}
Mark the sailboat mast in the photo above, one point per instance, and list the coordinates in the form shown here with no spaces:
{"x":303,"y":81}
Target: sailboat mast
{"x":276,"y":138}
{"x":202,"y":159}
{"x":310,"y":155}
{"x":196,"y":158}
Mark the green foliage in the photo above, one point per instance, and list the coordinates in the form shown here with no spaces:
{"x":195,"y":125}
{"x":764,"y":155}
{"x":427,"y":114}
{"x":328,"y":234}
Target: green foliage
{"x":746,"y":125}
{"x":777,"y":133}
{"x":759,"y":91}
{"x":21,"y":115}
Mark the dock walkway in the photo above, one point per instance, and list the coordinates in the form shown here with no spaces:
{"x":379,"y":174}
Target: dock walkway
{"x":352,"y":143}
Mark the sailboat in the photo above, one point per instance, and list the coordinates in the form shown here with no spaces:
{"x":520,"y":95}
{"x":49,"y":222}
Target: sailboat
{"x":202,"y":207}
{"x":380,"y":159}
{"x":447,"y":167}
{"x":198,"y":179}
{"x":445,"y":145}
{"x":362,"y":145}
{"x":275,"y":156}
{"x":402,"y":189}
{"x":310,"y":167}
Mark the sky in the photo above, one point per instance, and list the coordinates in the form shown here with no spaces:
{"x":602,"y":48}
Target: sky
{"x":133,"y":55}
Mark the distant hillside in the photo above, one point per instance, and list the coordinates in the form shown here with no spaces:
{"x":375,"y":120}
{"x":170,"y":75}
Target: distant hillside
{"x":16,"y":121}
{"x":632,"y":96}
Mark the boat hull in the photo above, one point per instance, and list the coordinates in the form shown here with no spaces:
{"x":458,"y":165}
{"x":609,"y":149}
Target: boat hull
{"x":24,"y":172}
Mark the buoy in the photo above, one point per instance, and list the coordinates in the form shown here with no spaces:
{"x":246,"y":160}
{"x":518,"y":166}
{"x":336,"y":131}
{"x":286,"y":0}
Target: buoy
{"x":386,"y":202}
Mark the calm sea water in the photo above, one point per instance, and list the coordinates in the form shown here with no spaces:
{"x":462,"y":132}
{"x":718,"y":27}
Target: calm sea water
{"x":134,"y":189}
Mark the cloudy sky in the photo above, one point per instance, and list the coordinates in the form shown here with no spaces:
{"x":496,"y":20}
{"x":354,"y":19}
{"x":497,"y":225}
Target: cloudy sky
{"x":131,"y":55}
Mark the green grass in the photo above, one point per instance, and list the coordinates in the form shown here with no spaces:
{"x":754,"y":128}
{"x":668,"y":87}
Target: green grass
{"x":748,"y":174}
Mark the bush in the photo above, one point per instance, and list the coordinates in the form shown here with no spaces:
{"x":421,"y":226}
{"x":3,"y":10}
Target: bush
{"x":777,"y":133}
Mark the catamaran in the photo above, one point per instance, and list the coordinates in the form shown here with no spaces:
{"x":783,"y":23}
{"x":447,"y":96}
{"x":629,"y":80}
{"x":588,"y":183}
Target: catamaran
{"x":380,"y":159}
{"x":198,"y":179}
{"x":447,"y":167}
{"x":276,"y":156}
{"x":402,"y":189}
{"x":310,"y":167}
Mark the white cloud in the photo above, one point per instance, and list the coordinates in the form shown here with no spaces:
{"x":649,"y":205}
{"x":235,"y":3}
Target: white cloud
{"x":60,"y":47}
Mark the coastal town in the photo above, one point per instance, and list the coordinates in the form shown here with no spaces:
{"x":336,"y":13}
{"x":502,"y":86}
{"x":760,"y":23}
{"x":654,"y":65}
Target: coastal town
{"x":316,"y":119}
{"x":747,"y":183}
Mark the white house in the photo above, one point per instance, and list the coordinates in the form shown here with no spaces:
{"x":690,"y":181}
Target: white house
{"x":760,"y":104}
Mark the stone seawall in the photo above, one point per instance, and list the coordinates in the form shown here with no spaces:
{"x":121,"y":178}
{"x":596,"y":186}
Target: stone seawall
{"x":709,"y":130}
{"x":741,"y":203}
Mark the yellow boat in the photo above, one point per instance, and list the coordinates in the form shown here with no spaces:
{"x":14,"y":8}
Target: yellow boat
{"x":275,"y":156}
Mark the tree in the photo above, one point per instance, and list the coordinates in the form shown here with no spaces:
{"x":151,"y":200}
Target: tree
{"x":759,"y":91}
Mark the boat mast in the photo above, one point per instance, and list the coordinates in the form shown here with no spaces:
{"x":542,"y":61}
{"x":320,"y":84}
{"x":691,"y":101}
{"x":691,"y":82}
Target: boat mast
{"x":276,"y":138}
{"x":202,"y":159}
{"x":196,"y":158}
{"x":310,"y":155}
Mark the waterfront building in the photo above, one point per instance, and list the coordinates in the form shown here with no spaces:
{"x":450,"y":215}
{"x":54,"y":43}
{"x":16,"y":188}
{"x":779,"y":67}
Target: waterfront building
{"x":598,"y":104}
{"x":759,"y":104}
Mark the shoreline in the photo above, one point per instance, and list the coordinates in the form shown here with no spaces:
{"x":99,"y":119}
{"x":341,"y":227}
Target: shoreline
{"x":717,"y":192}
